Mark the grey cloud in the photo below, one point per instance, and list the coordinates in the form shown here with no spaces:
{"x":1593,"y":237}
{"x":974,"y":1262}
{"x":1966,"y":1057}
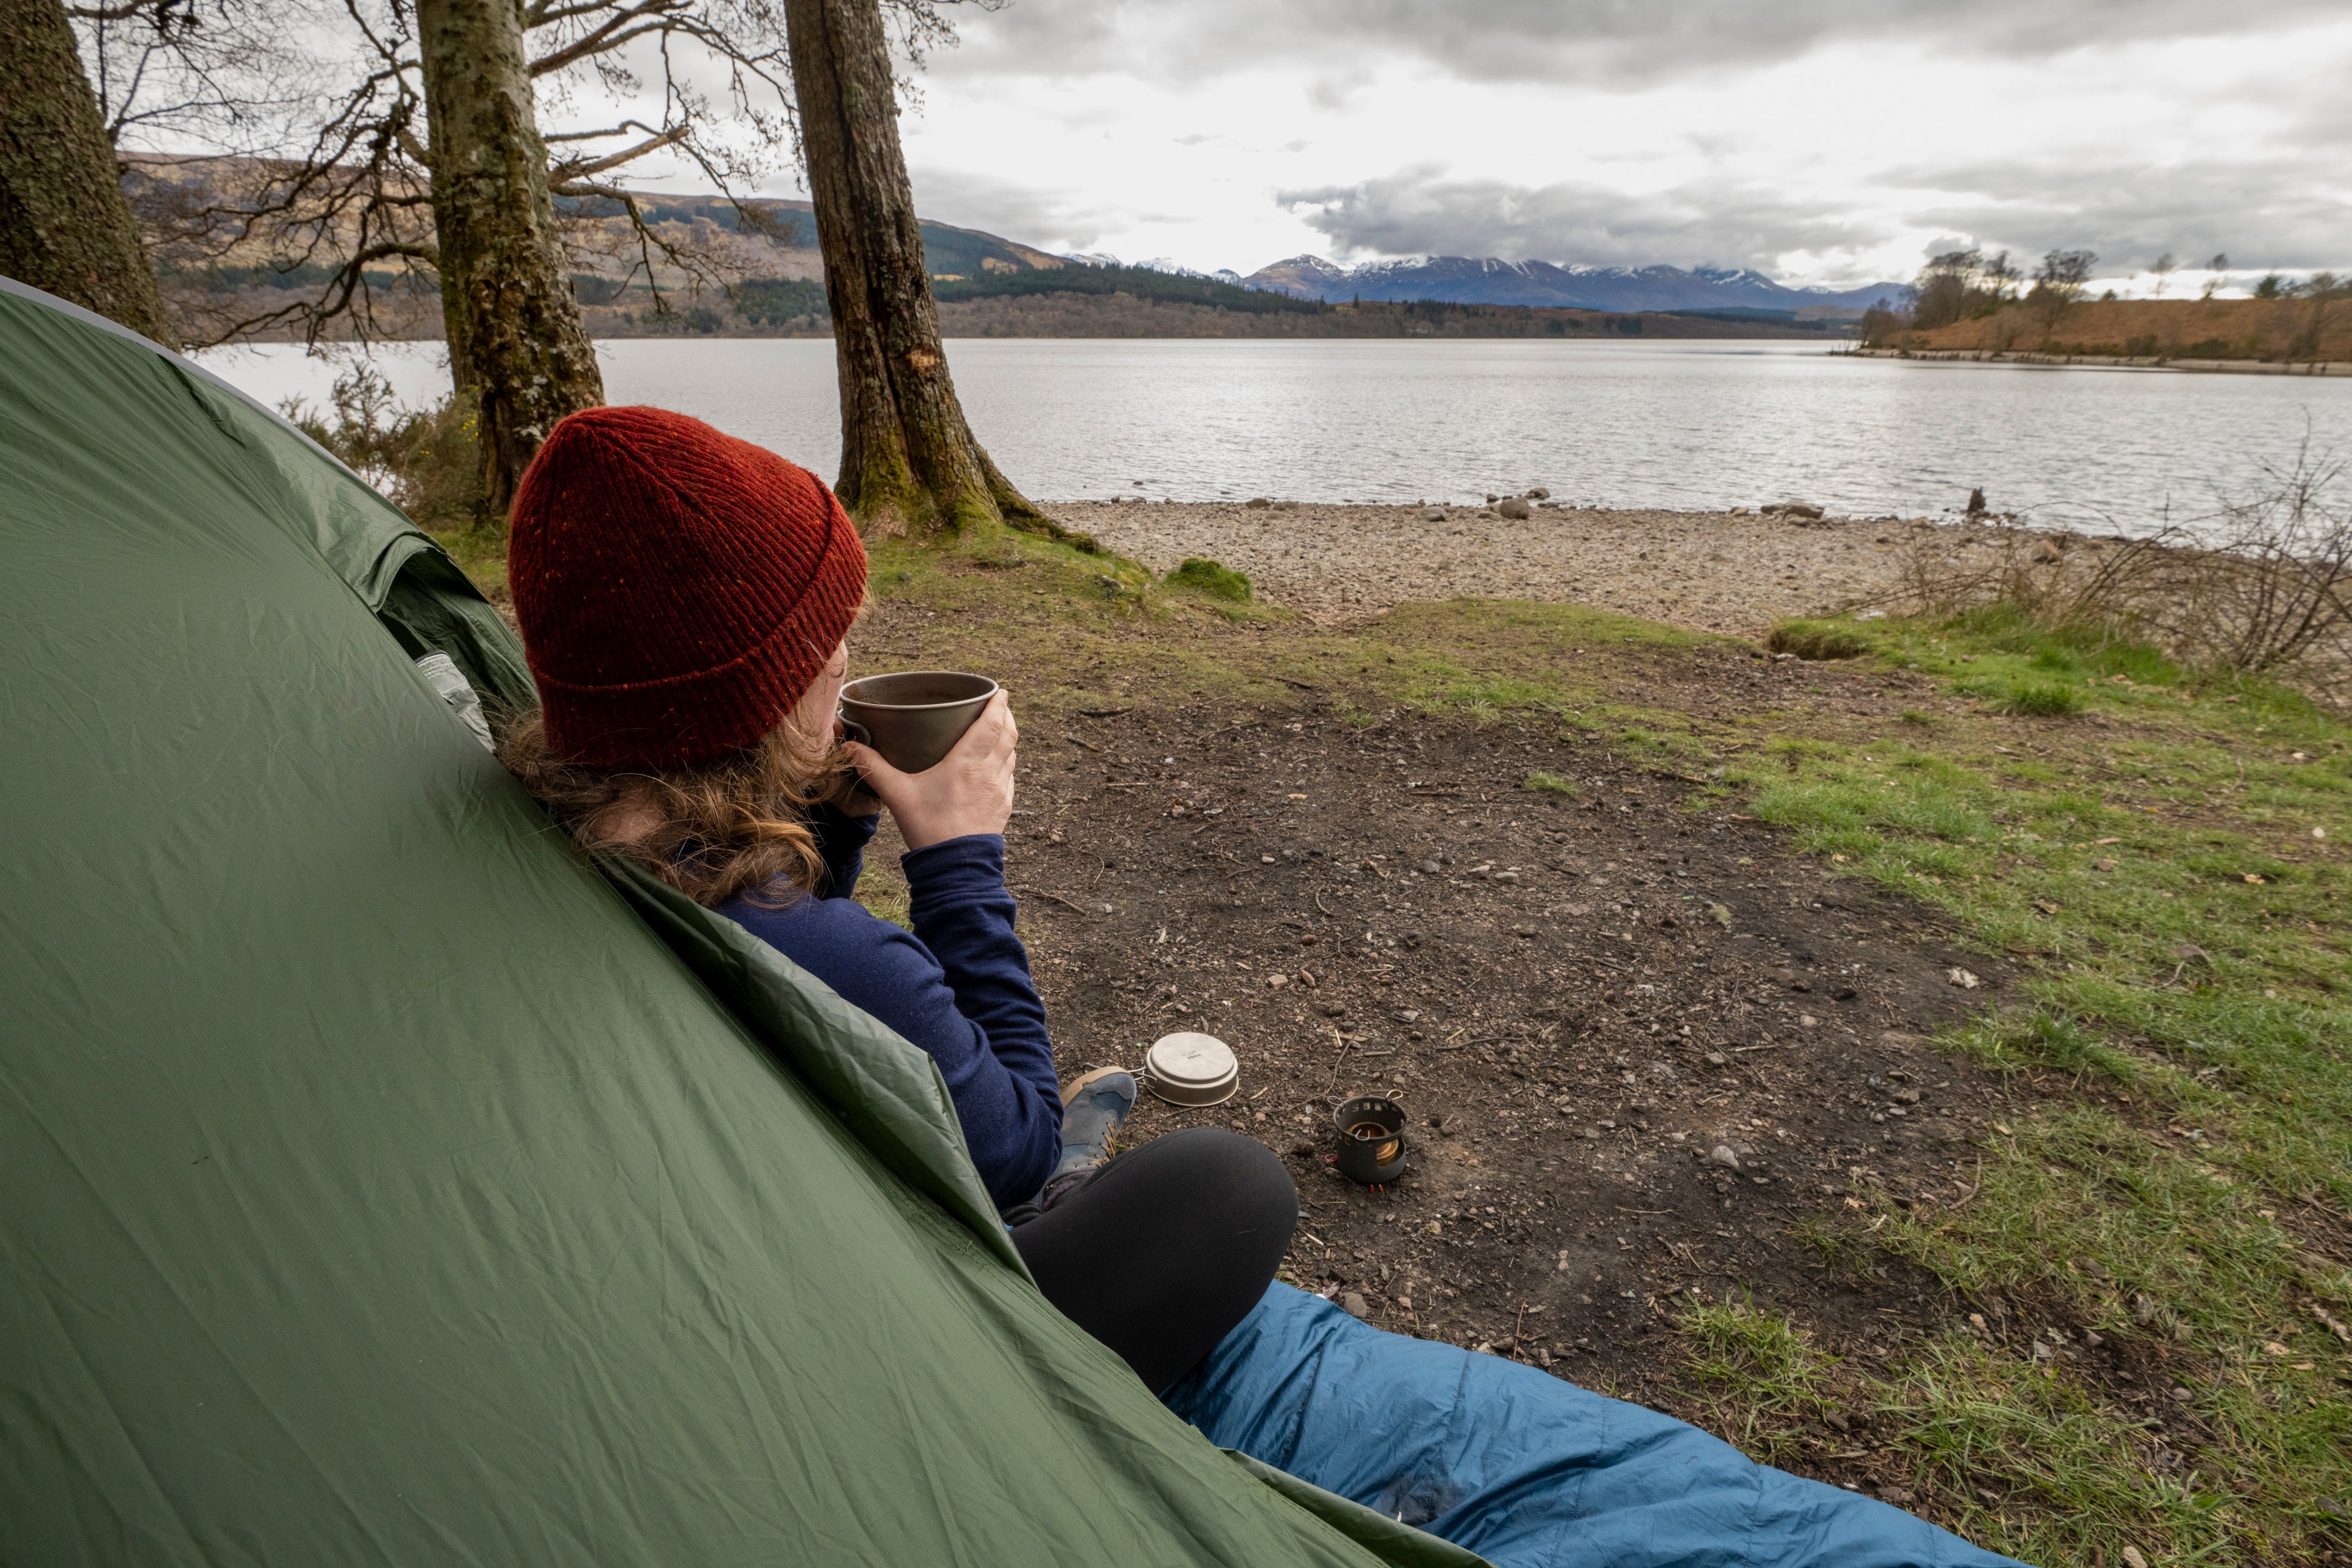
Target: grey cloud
{"x":2280,"y":213}
{"x":1056,"y":220}
{"x":2285,"y":212}
{"x":1571,"y":40}
{"x":1425,"y":211}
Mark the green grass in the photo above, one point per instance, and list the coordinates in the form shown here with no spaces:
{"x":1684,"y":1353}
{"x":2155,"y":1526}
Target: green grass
{"x":1817,"y":640}
{"x":1203,"y":575}
{"x":1551,"y":783}
{"x":2155,"y":864}
{"x":2042,"y":699}
{"x":2007,"y":1448}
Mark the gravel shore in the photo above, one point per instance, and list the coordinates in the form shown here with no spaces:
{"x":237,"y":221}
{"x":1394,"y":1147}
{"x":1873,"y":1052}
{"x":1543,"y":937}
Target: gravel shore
{"x":1712,"y":571}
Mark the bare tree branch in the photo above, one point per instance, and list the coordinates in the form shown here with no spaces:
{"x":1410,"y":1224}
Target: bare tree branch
{"x":571,"y":171}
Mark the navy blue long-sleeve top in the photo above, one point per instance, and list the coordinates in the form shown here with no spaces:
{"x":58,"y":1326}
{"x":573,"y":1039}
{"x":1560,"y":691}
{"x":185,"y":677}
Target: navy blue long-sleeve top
{"x":958,"y":987}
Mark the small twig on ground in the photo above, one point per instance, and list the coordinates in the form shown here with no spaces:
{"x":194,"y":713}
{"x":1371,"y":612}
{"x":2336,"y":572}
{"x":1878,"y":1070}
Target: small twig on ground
{"x":1103,"y":711}
{"x":1966,"y":1197}
{"x":1079,"y":740}
{"x":1338,"y":1061}
{"x":1024,"y":887}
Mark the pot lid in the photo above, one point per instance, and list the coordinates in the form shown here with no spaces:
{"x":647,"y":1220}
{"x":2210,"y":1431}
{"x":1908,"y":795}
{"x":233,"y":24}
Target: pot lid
{"x":1192,"y":1068}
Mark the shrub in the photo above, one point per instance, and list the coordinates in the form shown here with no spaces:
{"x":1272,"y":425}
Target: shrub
{"x":2040,"y":699}
{"x":426,"y":461}
{"x":1814,"y":640}
{"x":1203,"y":575}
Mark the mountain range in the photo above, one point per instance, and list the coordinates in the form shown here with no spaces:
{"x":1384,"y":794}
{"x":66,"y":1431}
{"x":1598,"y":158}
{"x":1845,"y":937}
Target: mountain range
{"x":1472,"y":280}
{"x":1469,"y":280}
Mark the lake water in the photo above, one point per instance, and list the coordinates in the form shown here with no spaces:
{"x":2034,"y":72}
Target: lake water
{"x":1683,"y":424}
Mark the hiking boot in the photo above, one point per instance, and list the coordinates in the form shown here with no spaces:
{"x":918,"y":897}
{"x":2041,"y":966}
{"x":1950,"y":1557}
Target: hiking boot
{"x":1092,"y":1110}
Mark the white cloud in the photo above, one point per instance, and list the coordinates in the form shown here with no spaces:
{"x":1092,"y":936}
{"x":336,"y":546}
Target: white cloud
{"x":1824,"y":140}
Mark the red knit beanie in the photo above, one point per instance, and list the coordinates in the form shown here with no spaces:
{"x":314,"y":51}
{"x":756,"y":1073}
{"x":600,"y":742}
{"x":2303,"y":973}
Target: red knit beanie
{"x":679,"y":589}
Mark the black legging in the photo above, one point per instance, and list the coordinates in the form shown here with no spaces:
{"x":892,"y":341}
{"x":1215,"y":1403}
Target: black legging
{"x":1167,"y":1247}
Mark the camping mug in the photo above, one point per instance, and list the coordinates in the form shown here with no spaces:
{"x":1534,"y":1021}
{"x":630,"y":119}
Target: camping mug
{"x":1371,"y":1138}
{"x":915,"y":717}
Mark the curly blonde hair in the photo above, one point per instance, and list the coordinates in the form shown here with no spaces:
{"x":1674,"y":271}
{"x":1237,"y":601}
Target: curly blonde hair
{"x":713,"y":830}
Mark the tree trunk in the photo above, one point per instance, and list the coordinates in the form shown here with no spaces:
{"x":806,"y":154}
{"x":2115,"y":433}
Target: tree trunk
{"x":64,"y":226}
{"x":907,"y":457}
{"x":515,"y":339}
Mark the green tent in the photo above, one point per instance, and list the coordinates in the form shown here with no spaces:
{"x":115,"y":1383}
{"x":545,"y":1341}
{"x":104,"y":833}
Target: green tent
{"x":387,"y":1184}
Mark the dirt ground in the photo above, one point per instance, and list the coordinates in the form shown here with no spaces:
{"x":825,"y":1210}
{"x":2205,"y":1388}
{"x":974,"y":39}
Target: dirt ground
{"x":1712,"y":571}
{"x":1639,"y":1046}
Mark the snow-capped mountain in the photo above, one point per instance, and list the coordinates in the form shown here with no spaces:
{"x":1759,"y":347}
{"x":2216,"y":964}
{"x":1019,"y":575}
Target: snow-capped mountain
{"x":1166,"y":264}
{"x":1472,"y":281}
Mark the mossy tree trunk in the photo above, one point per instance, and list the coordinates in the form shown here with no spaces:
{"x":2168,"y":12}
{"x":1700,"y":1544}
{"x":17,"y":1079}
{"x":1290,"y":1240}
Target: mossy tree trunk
{"x":516,"y":339}
{"x":64,"y":226}
{"x":907,"y":457}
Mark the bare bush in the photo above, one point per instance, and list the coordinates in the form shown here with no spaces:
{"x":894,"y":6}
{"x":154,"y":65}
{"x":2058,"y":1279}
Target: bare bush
{"x":425,"y":460}
{"x":2057,"y":581}
{"x":2261,"y":586}
{"x":2276,"y":590}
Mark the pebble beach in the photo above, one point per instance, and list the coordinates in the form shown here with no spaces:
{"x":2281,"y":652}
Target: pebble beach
{"x":1731,"y":572}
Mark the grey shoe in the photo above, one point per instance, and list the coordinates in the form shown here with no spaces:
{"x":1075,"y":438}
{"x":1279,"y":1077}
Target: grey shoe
{"x":1092,"y":1110}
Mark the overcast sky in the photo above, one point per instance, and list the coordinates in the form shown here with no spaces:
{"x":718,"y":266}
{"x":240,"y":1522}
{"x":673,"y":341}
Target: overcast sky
{"x":1832,"y":141}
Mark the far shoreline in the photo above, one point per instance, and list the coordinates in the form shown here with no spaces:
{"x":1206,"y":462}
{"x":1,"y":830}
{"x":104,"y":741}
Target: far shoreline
{"x":2107,"y":361}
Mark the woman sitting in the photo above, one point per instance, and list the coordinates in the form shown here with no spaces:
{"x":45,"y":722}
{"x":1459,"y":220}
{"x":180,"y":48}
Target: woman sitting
{"x":686,"y":601}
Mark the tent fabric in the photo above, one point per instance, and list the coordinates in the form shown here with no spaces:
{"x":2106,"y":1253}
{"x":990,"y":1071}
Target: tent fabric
{"x":376,"y":1185}
{"x":1523,"y":1469}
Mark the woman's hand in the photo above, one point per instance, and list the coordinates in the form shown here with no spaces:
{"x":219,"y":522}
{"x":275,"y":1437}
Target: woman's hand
{"x":850,"y":796}
{"x":970,"y":791}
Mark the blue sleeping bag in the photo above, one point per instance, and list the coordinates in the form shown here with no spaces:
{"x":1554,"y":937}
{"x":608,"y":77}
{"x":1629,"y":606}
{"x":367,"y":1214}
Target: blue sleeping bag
{"x":1518,"y":1466}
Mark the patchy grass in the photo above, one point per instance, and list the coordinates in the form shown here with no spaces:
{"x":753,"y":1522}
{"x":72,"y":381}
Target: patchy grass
{"x":1218,"y":581}
{"x":1817,"y":640}
{"x":1551,"y":783}
{"x":2171,"y":861}
{"x":2042,"y":699}
{"x":1992,"y":1438}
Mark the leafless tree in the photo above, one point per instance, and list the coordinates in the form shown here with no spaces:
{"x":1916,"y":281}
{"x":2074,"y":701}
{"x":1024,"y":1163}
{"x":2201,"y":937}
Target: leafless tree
{"x":416,"y":175}
{"x":2214,"y":270}
{"x":2058,"y":283}
{"x":1961,"y":284}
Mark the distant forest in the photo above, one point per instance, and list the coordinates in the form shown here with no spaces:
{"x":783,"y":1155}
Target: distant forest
{"x":999,"y":301}
{"x":1079,"y":301}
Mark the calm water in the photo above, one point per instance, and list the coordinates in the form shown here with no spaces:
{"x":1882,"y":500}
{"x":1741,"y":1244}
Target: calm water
{"x":1679,"y":424}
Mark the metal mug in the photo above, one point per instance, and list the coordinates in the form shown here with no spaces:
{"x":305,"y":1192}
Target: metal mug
{"x":1371,"y":1138}
{"x":915,"y":716}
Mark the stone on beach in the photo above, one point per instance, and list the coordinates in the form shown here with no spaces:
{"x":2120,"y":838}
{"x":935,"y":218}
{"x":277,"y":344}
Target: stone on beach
{"x":1515,"y":509}
{"x":1433,"y":514}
